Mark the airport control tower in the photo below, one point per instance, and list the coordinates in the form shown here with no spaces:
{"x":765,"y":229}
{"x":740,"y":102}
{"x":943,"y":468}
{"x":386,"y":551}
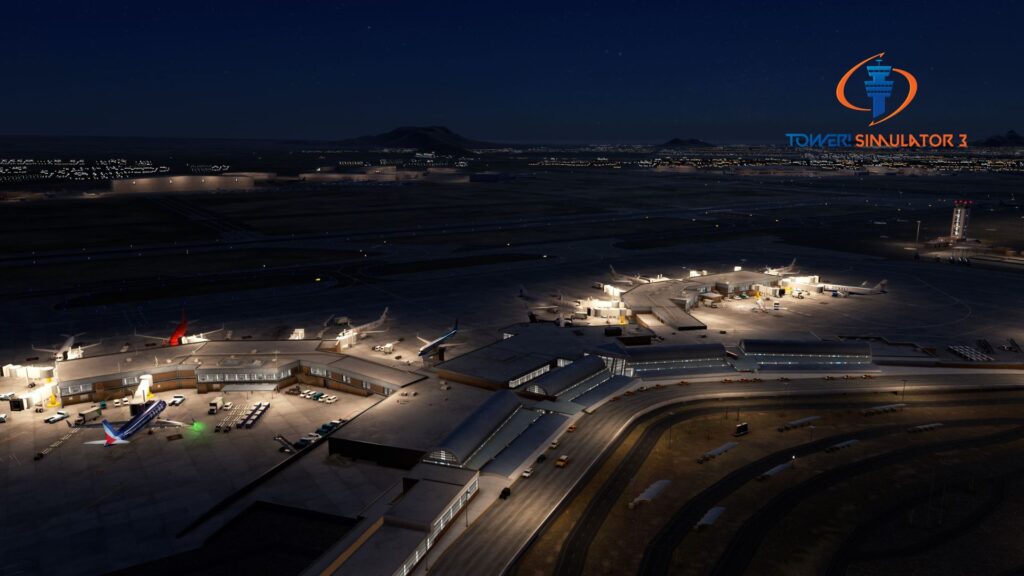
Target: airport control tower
{"x":878,"y":88}
{"x":961,"y":215}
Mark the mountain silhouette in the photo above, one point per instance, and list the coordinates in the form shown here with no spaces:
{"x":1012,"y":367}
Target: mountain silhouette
{"x":686,"y":143}
{"x":1011,"y":138}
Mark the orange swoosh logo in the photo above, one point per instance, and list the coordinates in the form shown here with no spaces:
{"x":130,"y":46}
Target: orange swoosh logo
{"x":841,"y":87}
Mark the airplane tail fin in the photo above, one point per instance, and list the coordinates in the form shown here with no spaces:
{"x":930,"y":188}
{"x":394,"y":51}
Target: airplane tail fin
{"x":880,"y":287}
{"x":112,"y":436}
{"x":456,"y":326}
{"x":384,"y":314}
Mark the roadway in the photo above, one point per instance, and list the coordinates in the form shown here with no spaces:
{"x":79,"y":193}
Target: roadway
{"x":495,"y":540}
{"x":751,"y":533}
{"x":657,"y":559}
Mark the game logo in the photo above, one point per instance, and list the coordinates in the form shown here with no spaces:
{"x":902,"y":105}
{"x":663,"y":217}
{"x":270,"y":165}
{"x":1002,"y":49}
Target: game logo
{"x":879,"y":79}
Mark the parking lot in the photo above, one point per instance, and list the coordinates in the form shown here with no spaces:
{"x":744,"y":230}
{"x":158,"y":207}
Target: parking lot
{"x":122,"y":504}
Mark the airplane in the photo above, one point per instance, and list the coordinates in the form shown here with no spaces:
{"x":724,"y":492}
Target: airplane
{"x":626,"y":278}
{"x":67,"y":350}
{"x":839,"y":290}
{"x":179,"y":336}
{"x":145,"y":419}
{"x":785,"y":270}
{"x":363,"y":329}
{"x":431,"y":347}
{"x":560,"y":304}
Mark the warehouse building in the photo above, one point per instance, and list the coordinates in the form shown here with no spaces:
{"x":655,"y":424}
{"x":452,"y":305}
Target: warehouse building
{"x":167,"y":184}
{"x":664,"y":361}
{"x":398,"y":531}
{"x":805,"y":354}
{"x":488,"y":430}
{"x":530,"y":350}
{"x":564,"y":381}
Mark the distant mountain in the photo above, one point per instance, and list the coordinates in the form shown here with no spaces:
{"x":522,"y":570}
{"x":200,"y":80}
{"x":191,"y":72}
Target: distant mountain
{"x":1011,"y":138}
{"x":422,"y":138}
{"x":686,"y":143}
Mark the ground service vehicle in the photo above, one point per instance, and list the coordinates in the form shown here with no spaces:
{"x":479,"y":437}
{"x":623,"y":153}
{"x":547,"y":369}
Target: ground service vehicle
{"x":88,"y":415}
{"x":216,"y":404}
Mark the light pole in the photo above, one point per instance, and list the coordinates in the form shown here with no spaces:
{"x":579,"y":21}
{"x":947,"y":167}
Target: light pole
{"x":917,"y":235}
{"x":671,"y":429}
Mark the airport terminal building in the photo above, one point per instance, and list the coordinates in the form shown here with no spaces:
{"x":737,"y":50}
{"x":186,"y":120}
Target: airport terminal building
{"x":226,"y":366}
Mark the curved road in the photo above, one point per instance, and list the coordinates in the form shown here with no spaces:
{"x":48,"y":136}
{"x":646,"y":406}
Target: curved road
{"x":496,"y":539}
{"x":747,"y":539}
{"x":574,"y":551}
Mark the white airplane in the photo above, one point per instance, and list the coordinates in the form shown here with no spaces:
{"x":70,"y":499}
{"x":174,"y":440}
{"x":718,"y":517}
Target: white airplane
{"x":561,"y":302}
{"x":432,"y":347}
{"x":626,"y":278}
{"x":838,"y":290}
{"x":782,"y":271}
{"x":67,"y":350}
{"x":364,"y":329}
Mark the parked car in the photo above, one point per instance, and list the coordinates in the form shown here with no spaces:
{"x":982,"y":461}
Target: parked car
{"x":117,"y":403}
{"x":528,"y":472}
{"x":177,"y":400}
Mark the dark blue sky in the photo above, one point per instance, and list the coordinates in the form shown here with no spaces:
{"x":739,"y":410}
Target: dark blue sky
{"x":508,"y":71}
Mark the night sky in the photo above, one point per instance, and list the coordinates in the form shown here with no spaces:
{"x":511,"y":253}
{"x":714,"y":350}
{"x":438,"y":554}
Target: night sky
{"x":500,"y":71}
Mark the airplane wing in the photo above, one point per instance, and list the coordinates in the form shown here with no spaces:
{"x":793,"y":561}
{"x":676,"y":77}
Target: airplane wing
{"x":213,"y":331}
{"x":87,"y":346}
{"x":95,"y":424}
{"x":423,"y":340}
{"x":160,"y":338}
{"x":161,"y":423}
{"x":51,"y":351}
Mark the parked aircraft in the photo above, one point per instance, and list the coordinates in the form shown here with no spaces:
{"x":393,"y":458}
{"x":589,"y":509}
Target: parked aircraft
{"x":626,"y":278}
{"x":364,"y":329}
{"x":67,"y":350}
{"x":785,"y":270}
{"x":560,"y":302}
{"x":839,"y":290}
{"x":432,"y":347}
{"x":179,"y":336}
{"x":145,"y":419}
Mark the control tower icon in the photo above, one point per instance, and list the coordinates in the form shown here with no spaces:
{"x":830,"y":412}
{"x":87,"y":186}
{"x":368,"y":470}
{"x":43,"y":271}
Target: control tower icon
{"x":878,"y":88}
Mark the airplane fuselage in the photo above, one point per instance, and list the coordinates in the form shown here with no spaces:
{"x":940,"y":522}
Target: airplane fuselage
{"x":139,"y":422}
{"x":431,"y":347}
